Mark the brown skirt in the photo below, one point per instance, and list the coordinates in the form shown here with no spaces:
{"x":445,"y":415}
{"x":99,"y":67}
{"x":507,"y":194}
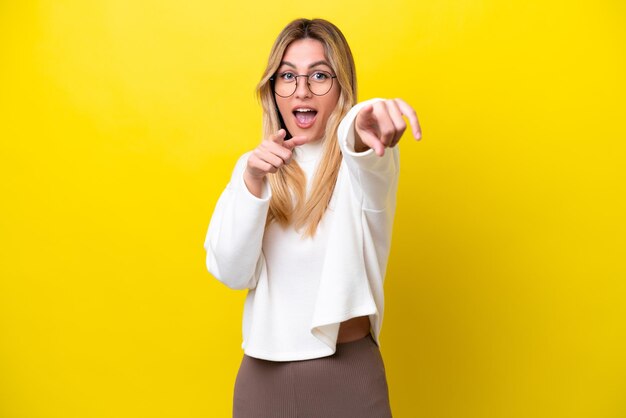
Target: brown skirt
{"x":350,"y":383}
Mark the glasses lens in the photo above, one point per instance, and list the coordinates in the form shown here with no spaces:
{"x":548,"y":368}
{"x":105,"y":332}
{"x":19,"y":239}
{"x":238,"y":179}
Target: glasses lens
{"x":320,"y":82}
{"x":285,"y":84}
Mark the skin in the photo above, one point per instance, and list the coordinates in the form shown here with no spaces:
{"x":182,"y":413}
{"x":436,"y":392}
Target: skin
{"x":305,"y":56}
{"x":377,"y":126}
{"x":381,"y":125}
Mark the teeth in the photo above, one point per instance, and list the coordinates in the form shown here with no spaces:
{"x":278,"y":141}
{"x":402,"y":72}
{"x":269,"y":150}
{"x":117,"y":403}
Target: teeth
{"x":304,"y":110}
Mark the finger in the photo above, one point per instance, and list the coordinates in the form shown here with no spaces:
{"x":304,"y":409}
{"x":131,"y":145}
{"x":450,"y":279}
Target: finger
{"x":366,"y":118}
{"x":278,"y":136}
{"x":397,"y":120}
{"x":279,"y":150}
{"x":409,"y":112}
{"x":269,"y":157}
{"x":366,"y":121}
{"x":267,"y":167}
{"x":373,"y":142}
{"x":367,"y":112}
{"x":259,"y":168}
{"x":290,"y":144}
{"x":386,"y":128}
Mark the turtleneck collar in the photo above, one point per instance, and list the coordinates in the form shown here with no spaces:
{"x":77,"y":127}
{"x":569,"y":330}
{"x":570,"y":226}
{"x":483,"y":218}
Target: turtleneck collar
{"x":309,"y":151}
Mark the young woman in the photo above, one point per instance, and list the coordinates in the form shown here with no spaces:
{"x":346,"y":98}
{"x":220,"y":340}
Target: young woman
{"x":305,"y":226}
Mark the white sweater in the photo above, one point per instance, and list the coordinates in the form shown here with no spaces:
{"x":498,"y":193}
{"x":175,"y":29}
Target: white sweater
{"x":301,"y":289}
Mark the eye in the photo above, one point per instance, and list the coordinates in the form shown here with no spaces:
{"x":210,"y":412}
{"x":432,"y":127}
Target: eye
{"x":287,"y":76}
{"x":319,"y":76}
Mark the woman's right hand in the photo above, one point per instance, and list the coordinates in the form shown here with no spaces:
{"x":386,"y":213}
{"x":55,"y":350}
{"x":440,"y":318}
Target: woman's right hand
{"x":271,"y":154}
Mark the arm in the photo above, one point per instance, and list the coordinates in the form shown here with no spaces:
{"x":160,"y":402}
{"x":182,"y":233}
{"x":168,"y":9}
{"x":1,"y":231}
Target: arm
{"x":235,"y":235}
{"x":365,"y":132}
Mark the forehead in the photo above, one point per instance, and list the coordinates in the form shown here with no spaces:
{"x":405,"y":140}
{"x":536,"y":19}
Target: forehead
{"x":304,"y":52}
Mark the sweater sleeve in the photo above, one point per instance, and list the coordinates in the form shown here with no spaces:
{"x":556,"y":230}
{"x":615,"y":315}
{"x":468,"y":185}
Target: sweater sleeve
{"x":235,"y":235}
{"x":372,"y":177}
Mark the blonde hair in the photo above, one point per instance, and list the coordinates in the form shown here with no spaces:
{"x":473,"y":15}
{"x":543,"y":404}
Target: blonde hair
{"x":290,"y":180}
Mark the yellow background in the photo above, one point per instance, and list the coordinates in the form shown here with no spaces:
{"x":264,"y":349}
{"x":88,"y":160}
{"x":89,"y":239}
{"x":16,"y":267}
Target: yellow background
{"x":120,"y":123}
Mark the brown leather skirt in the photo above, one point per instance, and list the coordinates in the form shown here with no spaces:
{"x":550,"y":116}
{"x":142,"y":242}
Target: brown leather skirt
{"x":350,"y":383}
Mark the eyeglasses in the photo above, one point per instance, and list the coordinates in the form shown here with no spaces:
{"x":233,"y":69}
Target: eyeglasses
{"x":286,"y":83}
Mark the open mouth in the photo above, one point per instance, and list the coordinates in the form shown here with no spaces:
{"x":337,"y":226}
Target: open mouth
{"x":304,"y":117}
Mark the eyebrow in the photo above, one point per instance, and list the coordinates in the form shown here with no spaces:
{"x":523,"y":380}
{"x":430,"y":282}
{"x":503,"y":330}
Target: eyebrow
{"x":315,"y":64}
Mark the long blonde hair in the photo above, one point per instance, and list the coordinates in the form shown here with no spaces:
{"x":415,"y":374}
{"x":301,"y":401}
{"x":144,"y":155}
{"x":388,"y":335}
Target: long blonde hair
{"x":290,"y":180}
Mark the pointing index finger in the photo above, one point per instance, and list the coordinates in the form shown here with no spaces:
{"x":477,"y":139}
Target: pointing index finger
{"x":278,"y":136}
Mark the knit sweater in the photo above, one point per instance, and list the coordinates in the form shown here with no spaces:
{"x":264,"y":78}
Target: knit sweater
{"x":301,"y":289}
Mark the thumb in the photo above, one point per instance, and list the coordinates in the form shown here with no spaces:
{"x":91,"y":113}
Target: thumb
{"x":373,"y":142}
{"x":294,"y":142}
{"x":366,"y":113}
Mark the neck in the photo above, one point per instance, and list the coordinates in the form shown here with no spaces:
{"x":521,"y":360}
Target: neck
{"x":309,"y":151}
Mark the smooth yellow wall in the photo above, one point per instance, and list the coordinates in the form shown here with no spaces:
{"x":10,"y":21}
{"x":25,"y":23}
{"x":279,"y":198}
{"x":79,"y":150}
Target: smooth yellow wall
{"x":120,"y":122}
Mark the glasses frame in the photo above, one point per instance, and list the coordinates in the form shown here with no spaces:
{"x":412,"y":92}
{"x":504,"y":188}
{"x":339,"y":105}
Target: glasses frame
{"x":308,"y":83}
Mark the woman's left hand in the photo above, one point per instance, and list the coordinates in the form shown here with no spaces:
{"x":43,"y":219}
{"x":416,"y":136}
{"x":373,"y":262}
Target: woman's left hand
{"x":380,"y":125}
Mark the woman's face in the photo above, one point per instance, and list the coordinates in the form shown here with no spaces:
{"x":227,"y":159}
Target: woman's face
{"x":305,"y":113}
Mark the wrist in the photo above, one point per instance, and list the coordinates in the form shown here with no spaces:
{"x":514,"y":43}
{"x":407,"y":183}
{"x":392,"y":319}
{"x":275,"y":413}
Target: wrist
{"x":253,"y":183}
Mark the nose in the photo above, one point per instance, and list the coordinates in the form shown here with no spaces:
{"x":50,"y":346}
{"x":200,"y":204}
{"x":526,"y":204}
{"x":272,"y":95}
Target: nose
{"x":302,"y":87}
